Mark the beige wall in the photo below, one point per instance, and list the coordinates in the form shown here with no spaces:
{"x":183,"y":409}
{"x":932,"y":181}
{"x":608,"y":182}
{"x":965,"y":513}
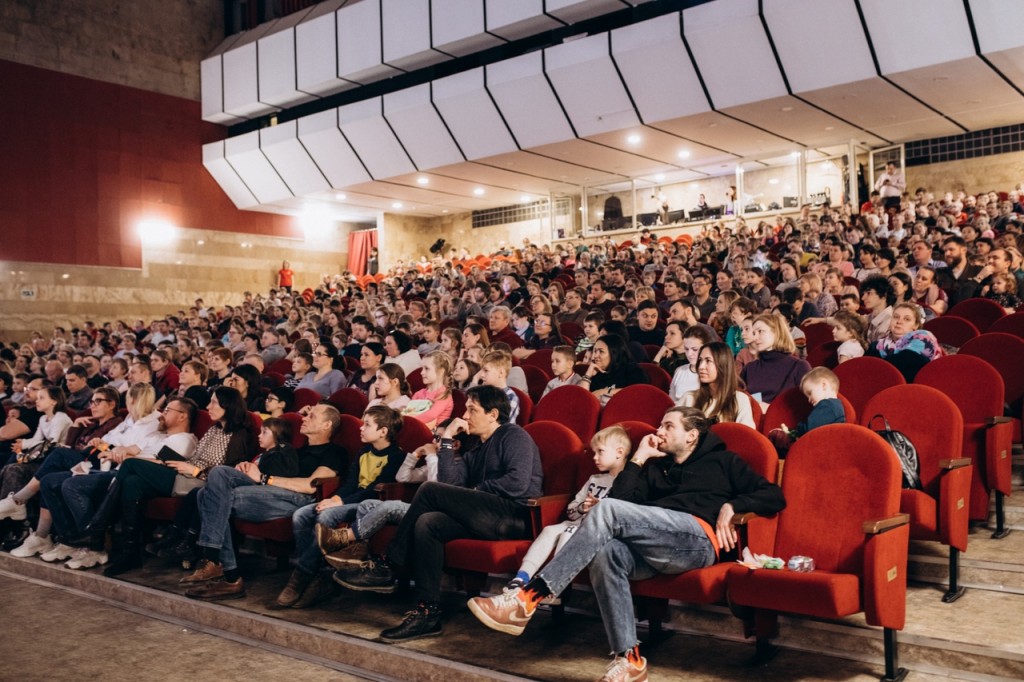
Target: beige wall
{"x":172,"y":277}
{"x":154,"y":46}
{"x":1000,"y":172}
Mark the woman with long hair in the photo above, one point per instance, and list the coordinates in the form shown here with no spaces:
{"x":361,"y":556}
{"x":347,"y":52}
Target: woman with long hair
{"x":611,"y":368}
{"x":390,"y":388}
{"x":718,"y":396}
{"x":776,"y":368}
{"x":371,"y":357}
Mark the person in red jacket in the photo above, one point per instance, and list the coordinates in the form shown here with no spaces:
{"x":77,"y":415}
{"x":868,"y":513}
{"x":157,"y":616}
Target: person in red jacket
{"x":285,"y":276}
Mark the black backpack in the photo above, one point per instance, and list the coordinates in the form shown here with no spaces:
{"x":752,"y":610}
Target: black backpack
{"x":905,"y":452}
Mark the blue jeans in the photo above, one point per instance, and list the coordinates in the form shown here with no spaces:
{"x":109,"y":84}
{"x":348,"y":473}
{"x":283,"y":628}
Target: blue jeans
{"x":230,"y":492}
{"x":70,"y":498}
{"x":373,"y":515}
{"x":622,"y":541}
{"x":59,"y":459}
{"x":310,"y":560}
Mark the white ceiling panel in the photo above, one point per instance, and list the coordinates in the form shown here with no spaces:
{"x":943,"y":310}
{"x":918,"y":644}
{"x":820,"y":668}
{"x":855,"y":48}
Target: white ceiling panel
{"x":553,"y":169}
{"x":957,"y":88}
{"x":998,"y":24}
{"x":796,"y":120}
{"x":676,"y":91}
{"x":212,"y":92}
{"x":589,"y":87}
{"x":407,"y":34}
{"x":732,"y":52}
{"x":519,"y":19}
{"x":496,"y":177}
{"x":241,"y":85}
{"x":871,"y":104}
{"x":602,"y":159}
{"x":330,"y":150}
{"x":571,"y":11}
{"x":316,"y":48}
{"x":471,"y":115}
{"x":244,"y":155}
{"x":276,"y":60}
{"x":664,"y":147}
{"x":813,"y":53}
{"x":418,"y":125}
{"x":914,"y":33}
{"x":360,"y":53}
{"x":217,"y":165}
{"x":281,"y":146}
{"x":457,"y":27}
{"x":721,"y":132}
{"x":372,"y":139}
{"x":526,"y":100}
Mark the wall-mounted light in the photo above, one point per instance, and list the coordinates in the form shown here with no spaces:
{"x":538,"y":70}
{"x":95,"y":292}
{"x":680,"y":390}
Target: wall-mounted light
{"x":156,"y":232}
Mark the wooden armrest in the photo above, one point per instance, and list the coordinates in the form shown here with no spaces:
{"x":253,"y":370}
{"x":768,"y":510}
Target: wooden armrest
{"x":320,"y":482}
{"x":881,"y":525}
{"x":992,"y":421}
{"x":743,"y":519}
{"x":396,"y":490}
{"x":954,"y":463}
{"x":548,"y":499}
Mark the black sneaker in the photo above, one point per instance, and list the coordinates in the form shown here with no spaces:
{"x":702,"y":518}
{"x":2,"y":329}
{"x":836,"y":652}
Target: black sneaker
{"x":375,"y":575}
{"x":423,"y":621}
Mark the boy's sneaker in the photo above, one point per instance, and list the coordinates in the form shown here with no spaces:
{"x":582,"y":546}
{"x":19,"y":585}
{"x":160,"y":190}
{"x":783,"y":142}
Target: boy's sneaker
{"x":33,"y":545}
{"x":9,"y":509}
{"x":87,"y":558}
{"x":349,"y":557}
{"x":423,"y":621}
{"x":504,"y":612}
{"x":60,"y":552}
{"x":621,"y":670}
{"x":375,"y":575}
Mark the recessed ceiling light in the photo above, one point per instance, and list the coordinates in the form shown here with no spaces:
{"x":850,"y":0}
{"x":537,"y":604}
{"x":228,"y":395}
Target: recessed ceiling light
{"x":340,"y":196}
{"x":396,"y":205}
{"x":712,"y":125}
{"x":633,"y":139}
{"x":423,"y":180}
{"x":773,"y":181}
{"x":659,"y":177}
{"x":795,"y":155}
{"x":65,"y":276}
{"x":830,"y":127}
{"x":201,"y":242}
{"x":786,"y":109}
{"x":525,"y":198}
{"x":684,"y":154}
{"x":444,"y":210}
{"x":478,"y":191}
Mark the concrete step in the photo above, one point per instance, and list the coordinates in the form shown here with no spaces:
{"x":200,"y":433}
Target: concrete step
{"x":988,"y":564}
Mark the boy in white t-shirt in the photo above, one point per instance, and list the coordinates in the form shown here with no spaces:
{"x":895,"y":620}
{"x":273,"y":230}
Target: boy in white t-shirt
{"x":563,"y":361}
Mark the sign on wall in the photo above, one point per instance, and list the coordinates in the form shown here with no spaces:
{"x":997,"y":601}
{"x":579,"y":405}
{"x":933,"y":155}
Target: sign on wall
{"x":27,"y":293}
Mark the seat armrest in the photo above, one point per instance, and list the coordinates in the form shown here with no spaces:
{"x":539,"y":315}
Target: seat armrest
{"x":545,"y":511}
{"x":954,"y":463}
{"x":548,"y":499}
{"x":743,"y":519}
{"x":881,"y":525}
{"x":397,"y":491}
{"x":992,"y":421}
{"x":325,"y":487}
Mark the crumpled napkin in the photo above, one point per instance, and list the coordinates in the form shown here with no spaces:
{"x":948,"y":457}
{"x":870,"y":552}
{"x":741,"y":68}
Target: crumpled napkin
{"x":756,"y":561}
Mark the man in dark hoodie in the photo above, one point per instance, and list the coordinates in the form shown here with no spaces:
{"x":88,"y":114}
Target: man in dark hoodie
{"x":669,"y":511}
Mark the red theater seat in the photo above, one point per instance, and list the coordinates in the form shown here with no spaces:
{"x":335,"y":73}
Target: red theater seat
{"x":636,"y":403}
{"x":791,"y":407}
{"x":349,"y":401}
{"x":656,"y":376}
{"x":860,"y":379}
{"x":952,"y":330}
{"x":1011,"y":324}
{"x":981,"y":312}
{"x":573,"y":406}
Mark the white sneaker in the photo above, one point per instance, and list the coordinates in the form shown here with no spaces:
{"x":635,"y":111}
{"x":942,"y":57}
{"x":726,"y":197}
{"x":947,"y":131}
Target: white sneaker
{"x":87,"y":558}
{"x":33,"y":545}
{"x":60,"y":552}
{"x":9,"y":509}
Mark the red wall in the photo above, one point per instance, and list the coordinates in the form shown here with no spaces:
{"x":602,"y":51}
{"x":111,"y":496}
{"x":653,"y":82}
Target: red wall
{"x":83,"y":161}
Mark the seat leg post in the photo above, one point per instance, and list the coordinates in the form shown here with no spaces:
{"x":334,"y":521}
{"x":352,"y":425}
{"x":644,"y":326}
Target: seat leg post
{"x":955,"y":590}
{"x":893,"y":671}
{"x":1001,"y":530}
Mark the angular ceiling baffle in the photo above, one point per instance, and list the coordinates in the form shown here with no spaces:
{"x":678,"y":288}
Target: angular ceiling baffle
{"x":316,"y":49}
{"x":406,"y":39}
{"x":373,"y":140}
{"x":280,"y":144}
{"x":526,"y":100}
{"x":241,"y":75}
{"x":360,"y":49}
{"x":420,"y":128}
{"x":457,"y":27}
{"x":244,"y":155}
{"x":573,"y":11}
{"x":211,"y":84}
{"x":519,"y":19}
{"x":276,"y":65}
{"x":217,"y":164}
{"x":997,"y":24}
{"x":322,"y":139}
{"x":471,"y":116}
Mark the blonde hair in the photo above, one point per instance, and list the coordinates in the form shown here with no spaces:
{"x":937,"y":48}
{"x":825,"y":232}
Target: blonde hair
{"x":442,"y":363}
{"x":645,"y":294}
{"x":141,"y":400}
{"x":498,"y":359}
{"x":821,"y":374}
{"x":777,"y":324}
{"x":613,"y":435}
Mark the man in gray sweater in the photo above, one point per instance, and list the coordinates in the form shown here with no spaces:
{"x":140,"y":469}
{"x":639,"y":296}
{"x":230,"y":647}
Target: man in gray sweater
{"x":480,"y":494}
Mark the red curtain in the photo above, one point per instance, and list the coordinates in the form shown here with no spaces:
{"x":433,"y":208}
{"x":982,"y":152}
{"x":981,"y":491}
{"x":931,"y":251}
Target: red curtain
{"x":359,"y":245}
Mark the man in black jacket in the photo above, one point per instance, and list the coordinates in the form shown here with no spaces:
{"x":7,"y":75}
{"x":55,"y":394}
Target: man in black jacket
{"x":480,"y":494}
{"x":669,"y":511}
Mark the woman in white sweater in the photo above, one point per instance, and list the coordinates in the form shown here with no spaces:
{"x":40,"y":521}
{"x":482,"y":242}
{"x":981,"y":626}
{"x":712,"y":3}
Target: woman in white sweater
{"x":718,"y":396}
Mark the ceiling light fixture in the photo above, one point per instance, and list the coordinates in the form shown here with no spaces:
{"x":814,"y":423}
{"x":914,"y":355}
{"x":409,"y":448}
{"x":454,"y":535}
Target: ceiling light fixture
{"x":633,"y":139}
{"x":340,"y":196}
{"x":684,"y":154}
{"x":659,"y":177}
{"x":795,"y":155}
{"x":423,"y":180}
{"x":397,"y":205}
{"x":478,"y":191}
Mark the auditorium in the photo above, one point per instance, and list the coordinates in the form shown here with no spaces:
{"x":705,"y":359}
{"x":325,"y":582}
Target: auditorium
{"x":555,"y":340}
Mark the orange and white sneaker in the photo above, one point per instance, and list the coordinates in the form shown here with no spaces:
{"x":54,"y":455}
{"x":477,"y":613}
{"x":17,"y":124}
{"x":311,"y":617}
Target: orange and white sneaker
{"x":623,"y":670}
{"x":508,"y":612}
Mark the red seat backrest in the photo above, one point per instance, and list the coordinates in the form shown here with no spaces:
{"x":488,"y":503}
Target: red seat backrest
{"x":349,"y":401}
{"x":639,"y":402}
{"x":824,"y":355}
{"x":525,"y":408}
{"x":573,"y":406}
{"x":299,"y":440}
{"x":817,"y":333}
{"x":819,"y":523}
{"x":281,"y":366}
{"x":540,"y":359}
{"x":202,"y":424}
{"x":304,"y":397}
{"x":928,"y":418}
{"x":347,"y":436}
{"x":791,"y":407}
{"x":982,"y":312}
{"x":561,"y":453}
{"x":1004,"y":352}
{"x":415,"y":379}
{"x":970,"y":382}
{"x":414,"y":433}
{"x":952,"y":330}
{"x":1011,"y":324}
{"x":458,"y":404}
{"x":861,"y":378}
{"x":754,"y":448}
{"x":658,"y":377}
{"x":536,"y":381}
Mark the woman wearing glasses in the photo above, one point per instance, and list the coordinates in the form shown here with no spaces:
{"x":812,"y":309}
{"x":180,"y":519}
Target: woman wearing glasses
{"x":325,"y":380}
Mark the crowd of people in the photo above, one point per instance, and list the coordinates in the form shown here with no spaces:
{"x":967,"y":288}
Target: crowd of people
{"x":101,"y":418}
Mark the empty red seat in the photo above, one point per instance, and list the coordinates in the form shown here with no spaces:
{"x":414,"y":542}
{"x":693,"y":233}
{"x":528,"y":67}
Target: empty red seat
{"x":981,"y":312}
{"x":1011,"y":324}
{"x":305,"y":397}
{"x":657,"y":377}
{"x":536,"y":381}
{"x":817,"y":333}
{"x":860,"y":379}
{"x":1004,"y":352}
{"x":349,"y":401}
{"x":573,"y":406}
